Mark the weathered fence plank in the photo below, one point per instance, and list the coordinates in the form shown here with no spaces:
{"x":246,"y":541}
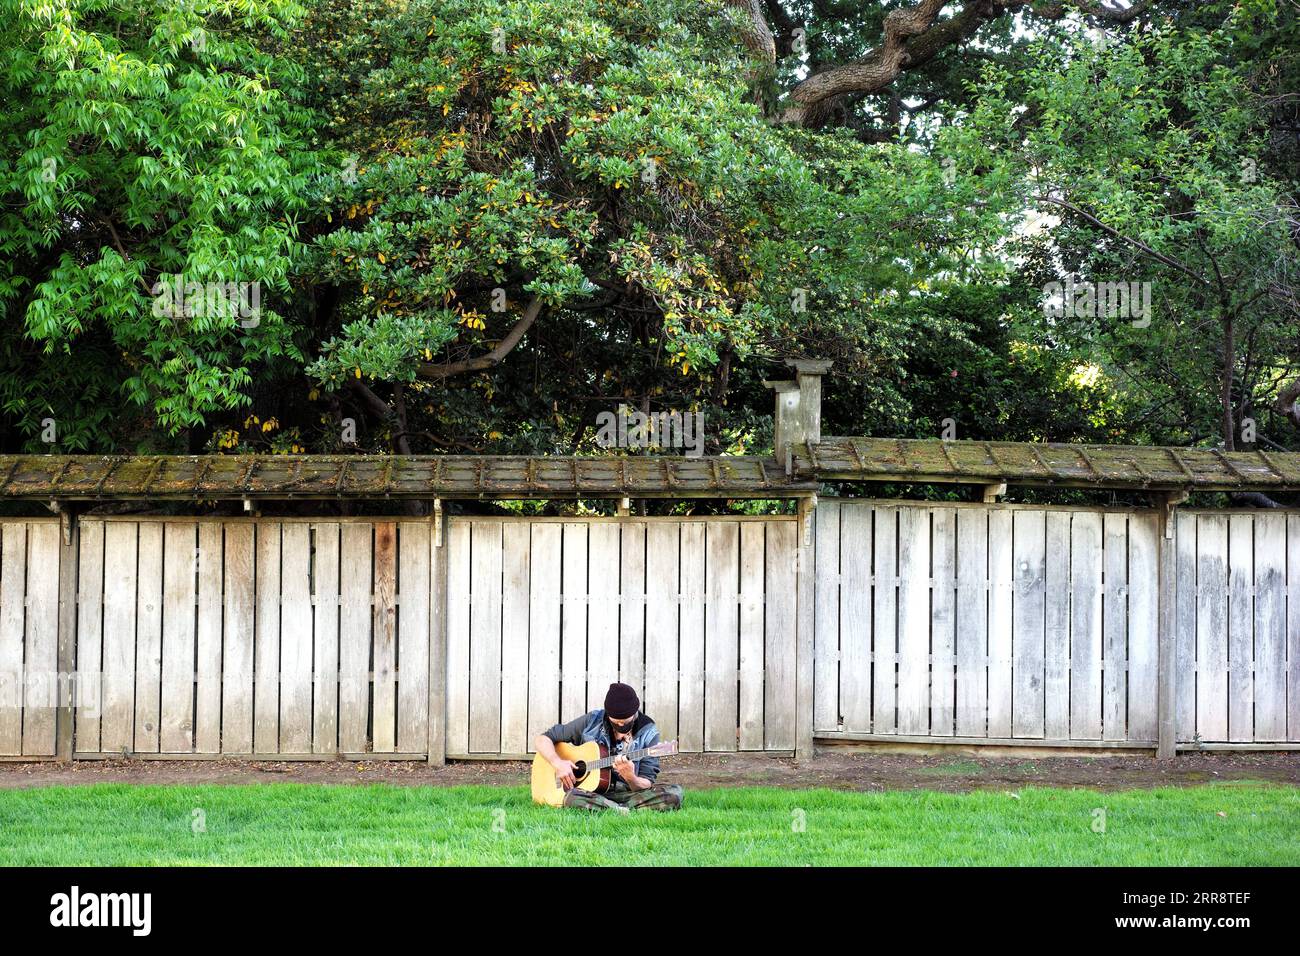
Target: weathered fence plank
{"x":913,"y":621}
{"x":632,"y":605}
{"x":663,"y":557}
{"x":90,"y":636}
{"x":266,"y":653}
{"x":827,"y":622}
{"x":237,"y":640}
{"x":1086,"y":626}
{"x":383,"y":709}
{"x":883,"y":626}
{"x":779,"y":636}
{"x":943,"y":636}
{"x":355,"y":622}
{"x":1056,"y":645}
{"x":325,"y":638}
{"x":117,"y":723}
{"x":1001,"y":597}
{"x":1143,"y":627}
{"x":148,"y":638}
{"x":972,"y":622}
{"x":690,"y":691}
{"x":1114,"y":694}
{"x":180,"y":559}
{"x":752,"y":625}
{"x":1028,"y":623}
{"x":207,"y":637}
{"x":485,"y":640}
{"x":1241,"y":627}
{"x":516,"y":543}
{"x":858,"y":644}
{"x":41,"y":654}
{"x":722,"y":636}
{"x":295,"y":665}
{"x":413,"y":638}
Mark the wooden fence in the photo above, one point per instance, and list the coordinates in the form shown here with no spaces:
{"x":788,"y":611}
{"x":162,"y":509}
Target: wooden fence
{"x":395,"y":638}
{"x":1018,"y":624}
{"x":543,"y":614}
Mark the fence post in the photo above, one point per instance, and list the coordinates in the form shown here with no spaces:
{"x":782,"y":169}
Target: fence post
{"x":1167,"y":622}
{"x":65,"y":679}
{"x":437,"y":636}
{"x":805,"y":571}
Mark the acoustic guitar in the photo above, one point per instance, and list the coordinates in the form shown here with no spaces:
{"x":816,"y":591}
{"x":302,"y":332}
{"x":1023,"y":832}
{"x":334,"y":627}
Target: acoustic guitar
{"x":592,"y":768}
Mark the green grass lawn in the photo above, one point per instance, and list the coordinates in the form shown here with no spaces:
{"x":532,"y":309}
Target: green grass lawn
{"x":308,"y":824}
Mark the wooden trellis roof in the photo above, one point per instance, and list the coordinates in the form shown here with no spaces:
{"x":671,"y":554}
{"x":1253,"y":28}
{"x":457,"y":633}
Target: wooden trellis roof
{"x":265,"y":477}
{"x":208,"y":477}
{"x":1060,"y":465}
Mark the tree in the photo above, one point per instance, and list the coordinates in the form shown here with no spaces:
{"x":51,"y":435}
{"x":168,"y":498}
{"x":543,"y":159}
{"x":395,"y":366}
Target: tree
{"x":139,"y":147}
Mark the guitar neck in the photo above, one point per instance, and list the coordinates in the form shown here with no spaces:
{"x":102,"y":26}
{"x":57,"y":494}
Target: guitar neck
{"x":609,"y":761}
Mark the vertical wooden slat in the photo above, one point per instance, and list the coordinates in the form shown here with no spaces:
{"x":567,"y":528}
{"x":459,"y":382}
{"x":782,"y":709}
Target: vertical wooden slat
{"x":1143,"y":626}
{"x":1293,"y":628}
{"x":884,"y":623}
{"x":356,"y":619}
{"x":237,"y":639}
{"x":485,"y":640}
{"x":805,"y":611}
{"x":516,"y":545}
{"x":40,"y":661}
{"x":148,"y":638}
{"x":180,"y":551}
{"x":826,"y":618}
{"x":722,"y":635}
{"x":544,"y":629}
{"x":1056,"y":645}
{"x":207,"y":695}
{"x":295,"y":639}
{"x":13,"y":577}
{"x":383,"y":716}
{"x":325,"y":638}
{"x":118,"y":724}
{"x":67,"y":641}
{"x":413,"y":638}
{"x":943,"y":626}
{"x":437,"y":745}
{"x":1085,"y":626}
{"x":854,"y":613}
{"x":662,"y":603}
{"x":1028,"y":623}
{"x":780,"y":677}
{"x":632,"y":604}
{"x":914,"y":620}
{"x":972,"y":622}
{"x":602,"y":609}
{"x":1270,"y":628}
{"x":266,"y":649}
{"x":752,"y":561}
{"x":573,"y":622}
{"x":1002,"y":582}
{"x":1185,"y":625}
{"x":459,"y":541}
{"x":1241,"y":627}
{"x":690,"y":707}
{"x":1212,"y":627}
{"x":1114,"y":702}
{"x":90,"y":636}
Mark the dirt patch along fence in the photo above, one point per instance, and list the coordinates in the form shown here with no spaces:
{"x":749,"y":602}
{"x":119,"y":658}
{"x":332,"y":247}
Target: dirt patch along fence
{"x":887,"y":621}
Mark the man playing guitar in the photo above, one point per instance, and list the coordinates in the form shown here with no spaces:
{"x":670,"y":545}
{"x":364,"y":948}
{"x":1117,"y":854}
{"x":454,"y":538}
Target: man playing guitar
{"x":620,"y":726}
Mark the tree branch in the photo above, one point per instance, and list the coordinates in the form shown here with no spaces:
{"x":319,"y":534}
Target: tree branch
{"x":492,"y":358}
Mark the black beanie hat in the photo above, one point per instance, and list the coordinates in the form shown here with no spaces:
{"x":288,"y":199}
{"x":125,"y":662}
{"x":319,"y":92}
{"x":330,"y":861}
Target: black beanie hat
{"x":621,"y":702}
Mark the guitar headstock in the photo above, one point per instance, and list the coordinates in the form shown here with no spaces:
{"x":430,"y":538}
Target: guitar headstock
{"x":665,"y":749}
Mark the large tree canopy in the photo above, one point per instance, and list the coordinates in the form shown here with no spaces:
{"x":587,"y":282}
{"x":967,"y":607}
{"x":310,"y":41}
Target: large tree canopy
{"x":474,"y":226}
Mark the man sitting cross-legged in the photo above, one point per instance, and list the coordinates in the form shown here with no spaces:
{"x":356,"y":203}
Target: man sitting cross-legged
{"x":621,"y":727}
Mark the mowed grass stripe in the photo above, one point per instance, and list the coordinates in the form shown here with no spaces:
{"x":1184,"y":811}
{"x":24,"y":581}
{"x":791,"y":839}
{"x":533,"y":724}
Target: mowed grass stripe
{"x":320,"y":824}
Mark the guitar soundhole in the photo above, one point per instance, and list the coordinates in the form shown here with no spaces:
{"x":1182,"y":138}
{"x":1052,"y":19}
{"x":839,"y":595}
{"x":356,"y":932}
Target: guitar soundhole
{"x":579,"y":770}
